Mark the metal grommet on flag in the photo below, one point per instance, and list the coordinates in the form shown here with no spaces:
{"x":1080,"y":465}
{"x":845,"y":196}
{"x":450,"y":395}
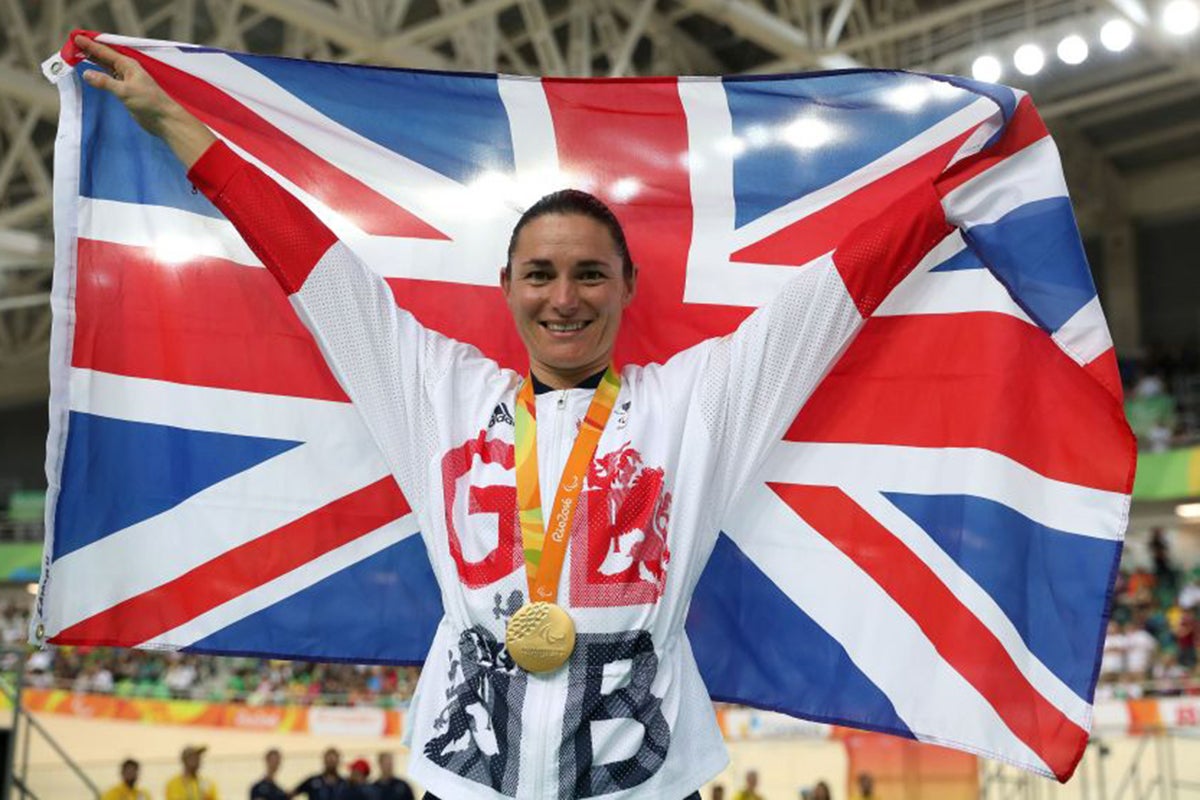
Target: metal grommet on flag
{"x":54,"y":68}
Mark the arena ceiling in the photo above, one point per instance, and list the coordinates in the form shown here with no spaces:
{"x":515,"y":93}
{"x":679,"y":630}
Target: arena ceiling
{"x":1128,"y":123}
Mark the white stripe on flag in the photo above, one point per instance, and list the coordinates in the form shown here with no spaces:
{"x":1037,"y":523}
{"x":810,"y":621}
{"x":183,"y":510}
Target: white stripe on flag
{"x":881,"y":639}
{"x":1085,"y":335}
{"x":977,"y":601}
{"x":408,"y":183}
{"x":951,"y":470}
{"x":1029,"y":175}
{"x":286,"y":585}
{"x":202,"y":408}
{"x":173,"y":234}
{"x":711,"y":276}
{"x":165,"y":546}
{"x":476,"y":223}
{"x":926,"y":292}
{"x":921,"y":144}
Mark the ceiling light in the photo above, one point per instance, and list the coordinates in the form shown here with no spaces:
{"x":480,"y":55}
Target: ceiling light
{"x":1073,"y":49}
{"x":987,"y":69}
{"x":1181,"y":17}
{"x":1029,"y":59}
{"x":1188,"y":510}
{"x":1116,"y":35}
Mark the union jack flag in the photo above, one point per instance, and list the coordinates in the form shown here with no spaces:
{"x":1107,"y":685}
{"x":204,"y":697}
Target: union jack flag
{"x":929,"y":550}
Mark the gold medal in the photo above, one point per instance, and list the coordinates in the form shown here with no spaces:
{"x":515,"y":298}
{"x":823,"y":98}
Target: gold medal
{"x":540,"y":637}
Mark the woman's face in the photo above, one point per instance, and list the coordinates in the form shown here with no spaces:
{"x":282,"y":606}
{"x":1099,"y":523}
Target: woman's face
{"x":566,"y":290}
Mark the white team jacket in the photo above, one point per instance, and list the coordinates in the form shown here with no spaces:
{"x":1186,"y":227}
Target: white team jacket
{"x":628,"y":715}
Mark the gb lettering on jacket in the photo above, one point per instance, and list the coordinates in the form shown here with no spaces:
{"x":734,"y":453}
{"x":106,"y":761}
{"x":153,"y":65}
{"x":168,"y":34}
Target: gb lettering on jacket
{"x":618,"y":540}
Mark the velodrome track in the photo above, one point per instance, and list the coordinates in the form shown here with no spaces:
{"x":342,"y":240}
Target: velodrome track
{"x":235,"y":760}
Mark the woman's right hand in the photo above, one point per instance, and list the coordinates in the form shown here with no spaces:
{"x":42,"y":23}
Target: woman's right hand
{"x":156,"y":111}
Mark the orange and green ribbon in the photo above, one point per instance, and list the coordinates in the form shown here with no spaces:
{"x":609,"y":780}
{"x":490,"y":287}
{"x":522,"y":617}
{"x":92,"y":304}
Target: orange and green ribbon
{"x":546,"y":549}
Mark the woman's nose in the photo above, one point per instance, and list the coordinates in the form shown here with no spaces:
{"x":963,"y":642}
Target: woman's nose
{"x":564,"y":296}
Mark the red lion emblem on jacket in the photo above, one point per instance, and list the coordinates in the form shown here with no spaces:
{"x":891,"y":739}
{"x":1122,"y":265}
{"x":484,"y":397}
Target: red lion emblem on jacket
{"x":626,"y":544}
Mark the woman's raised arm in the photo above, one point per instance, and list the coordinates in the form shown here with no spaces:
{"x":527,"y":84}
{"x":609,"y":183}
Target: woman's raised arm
{"x":147,"y":103}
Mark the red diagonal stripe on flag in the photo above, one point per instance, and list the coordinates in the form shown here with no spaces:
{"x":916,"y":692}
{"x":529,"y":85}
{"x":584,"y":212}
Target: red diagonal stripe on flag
{"x":820,"y":232}
{"x":242,"y":569}
{"x":982,"y":380}
{"x":368,"y":209}
{"x":957,"y":634}
{"x":1025,"y":128}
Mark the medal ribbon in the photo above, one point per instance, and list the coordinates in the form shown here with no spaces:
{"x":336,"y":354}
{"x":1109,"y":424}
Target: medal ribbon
{"x":545,"y":550}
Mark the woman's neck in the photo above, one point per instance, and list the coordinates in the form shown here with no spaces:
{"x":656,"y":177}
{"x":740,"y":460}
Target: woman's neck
{"x":546,"y":379}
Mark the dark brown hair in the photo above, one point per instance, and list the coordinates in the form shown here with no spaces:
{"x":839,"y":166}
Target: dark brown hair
{"x":575,"y":201}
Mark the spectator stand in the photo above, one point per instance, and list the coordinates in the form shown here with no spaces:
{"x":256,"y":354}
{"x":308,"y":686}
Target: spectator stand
{"x":23,"y":728}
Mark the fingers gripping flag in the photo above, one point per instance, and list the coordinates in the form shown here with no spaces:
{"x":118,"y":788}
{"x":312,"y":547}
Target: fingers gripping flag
{"x":929,"y":549}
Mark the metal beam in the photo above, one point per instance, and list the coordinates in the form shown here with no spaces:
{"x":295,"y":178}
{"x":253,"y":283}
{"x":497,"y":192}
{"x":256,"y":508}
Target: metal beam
{"x":633,"y":35}
{"x":1184,"y":130}
{"x":579,"y":39}
{"x":1135,"y":10}
{"x":24,"y":250}
{"x":920,"y":24}
{"x":26,"y":212}
{"x":1112,"y":94}
{"x":439,"y":27}
{"x":29,"y":88}
{"x":1137,"y":105}
{"x":541,"y":36}
{"x":25,"y":301}
{"x":325,"y":21}
{"x":757,"y":25}
{"x":838,"y":23}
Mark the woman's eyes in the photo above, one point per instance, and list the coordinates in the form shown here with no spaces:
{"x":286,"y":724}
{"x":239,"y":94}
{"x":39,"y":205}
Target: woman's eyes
{"x":587,"y":276}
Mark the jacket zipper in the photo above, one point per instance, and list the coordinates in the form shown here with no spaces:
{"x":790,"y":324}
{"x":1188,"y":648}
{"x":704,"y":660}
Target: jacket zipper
{"x":544,"y":686}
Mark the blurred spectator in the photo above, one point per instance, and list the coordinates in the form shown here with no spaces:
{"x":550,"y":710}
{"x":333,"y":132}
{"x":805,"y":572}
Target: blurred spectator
{"x":357,"y":787}
{"x":1189,"y":595}
{"x":866,"y":786}
{"x":1140,"y":647}
{"x":327,"y":784}
{"x":1185,"y":638}
{"x":189,"y":785}
{"x":750,"y":790}
{"x":820,"y":791}
{"x":180,"y":676}
{"x":14,"y":626}
{"x":388,"y":786}
{"x":144,"y":673}
{"x":1151,"y":413}
{"x":1112,"y":662}
{"x":718,"y":791}
{"x":127,"y":789}
{"x":267,"y":788}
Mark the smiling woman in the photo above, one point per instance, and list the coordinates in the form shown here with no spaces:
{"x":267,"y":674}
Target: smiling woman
{"x":568,"y":280}
{"x":531,"y":693}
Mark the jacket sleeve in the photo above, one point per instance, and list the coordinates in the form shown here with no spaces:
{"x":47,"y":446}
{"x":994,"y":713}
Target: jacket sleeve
{"x":754,"y":381}
{"x":384,"y":359}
